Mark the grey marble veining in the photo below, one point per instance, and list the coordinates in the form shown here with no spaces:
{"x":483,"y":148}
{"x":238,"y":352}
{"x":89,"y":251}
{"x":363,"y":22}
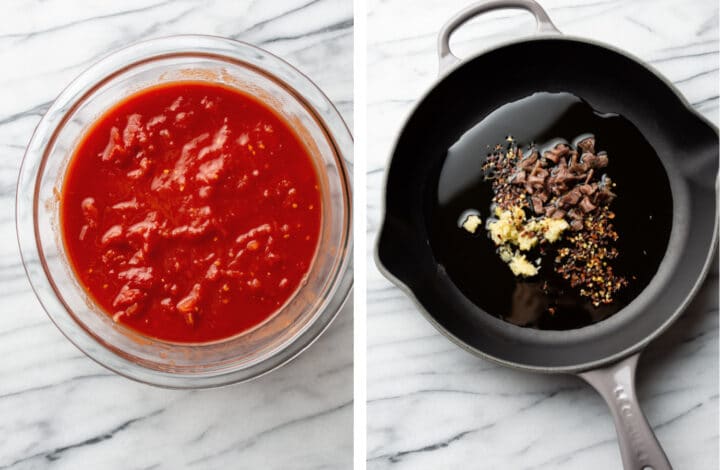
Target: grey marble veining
{"x":432,"y":405}
{"x":60,"y":410}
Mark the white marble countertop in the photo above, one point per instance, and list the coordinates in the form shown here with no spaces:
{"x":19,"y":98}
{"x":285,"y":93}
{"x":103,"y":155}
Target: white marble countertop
{"x":59,"y":409}
{"x":432,"y":405}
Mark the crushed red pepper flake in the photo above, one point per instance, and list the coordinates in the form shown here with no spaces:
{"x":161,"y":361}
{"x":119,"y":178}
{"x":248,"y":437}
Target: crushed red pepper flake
{"x":586,"y":261}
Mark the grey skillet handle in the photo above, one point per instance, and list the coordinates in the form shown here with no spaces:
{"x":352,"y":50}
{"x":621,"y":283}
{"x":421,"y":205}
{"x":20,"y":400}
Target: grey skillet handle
{"x":446,"y":57}
{"x":639,"y":448}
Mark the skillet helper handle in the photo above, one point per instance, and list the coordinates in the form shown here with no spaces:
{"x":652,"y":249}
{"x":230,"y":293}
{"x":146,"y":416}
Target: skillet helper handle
{"x":639,"y":448}
{"x":448,"y":59}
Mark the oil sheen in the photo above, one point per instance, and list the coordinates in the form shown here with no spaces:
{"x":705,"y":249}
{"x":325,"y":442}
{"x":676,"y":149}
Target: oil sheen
{"x":643,"y":209}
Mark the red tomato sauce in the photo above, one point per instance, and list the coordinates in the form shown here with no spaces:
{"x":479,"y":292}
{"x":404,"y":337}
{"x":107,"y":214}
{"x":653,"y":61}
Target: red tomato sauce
{"x":190,"y":212}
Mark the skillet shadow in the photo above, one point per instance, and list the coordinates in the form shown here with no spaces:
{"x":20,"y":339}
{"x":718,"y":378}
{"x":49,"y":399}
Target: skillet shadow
{"x":691,"y":342}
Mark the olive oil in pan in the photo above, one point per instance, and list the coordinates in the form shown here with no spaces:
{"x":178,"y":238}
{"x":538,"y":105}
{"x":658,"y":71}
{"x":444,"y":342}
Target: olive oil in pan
{"x":643,"y":209}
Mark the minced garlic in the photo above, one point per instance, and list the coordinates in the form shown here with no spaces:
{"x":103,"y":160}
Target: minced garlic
{"x":551,"y":229}
{"x":511,"y":228}
{"x":554,"y":229}
{"x":526,"y":240}
{"x":505,"y":253}
{"x":520,"y":266}
{"x":472,"y":222}
{"x":505,"y":228}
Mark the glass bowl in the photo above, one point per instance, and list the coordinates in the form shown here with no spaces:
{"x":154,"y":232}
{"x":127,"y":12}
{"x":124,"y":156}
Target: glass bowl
{"x":181,"y":365}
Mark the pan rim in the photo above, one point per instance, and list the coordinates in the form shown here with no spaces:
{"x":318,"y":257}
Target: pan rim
{"x":575,"y":368}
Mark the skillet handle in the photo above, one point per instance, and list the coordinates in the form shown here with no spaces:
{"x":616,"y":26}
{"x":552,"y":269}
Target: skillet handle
{"x":448,"y":59}
{"x":639,"y":448}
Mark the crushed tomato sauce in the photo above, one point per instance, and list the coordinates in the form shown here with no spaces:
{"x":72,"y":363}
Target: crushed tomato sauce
{"x":190,"y":212}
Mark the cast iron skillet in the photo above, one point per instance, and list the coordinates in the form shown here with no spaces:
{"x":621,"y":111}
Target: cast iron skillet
{"x":604,"y":354}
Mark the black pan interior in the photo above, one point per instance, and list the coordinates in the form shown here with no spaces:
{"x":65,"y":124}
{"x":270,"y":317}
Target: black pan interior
{"x":545,"y":301}
{"x":609,"y":82}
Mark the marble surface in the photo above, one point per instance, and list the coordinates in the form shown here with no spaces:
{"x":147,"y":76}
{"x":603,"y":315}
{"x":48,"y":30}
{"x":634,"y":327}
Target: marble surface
{"x":432,"y":405}
{"x":60,"y":410}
